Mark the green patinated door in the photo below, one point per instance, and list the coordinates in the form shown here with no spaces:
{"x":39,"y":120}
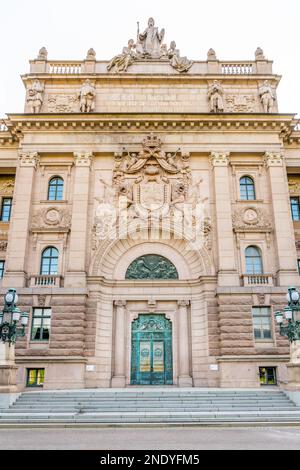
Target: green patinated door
{"x":151,"y":353}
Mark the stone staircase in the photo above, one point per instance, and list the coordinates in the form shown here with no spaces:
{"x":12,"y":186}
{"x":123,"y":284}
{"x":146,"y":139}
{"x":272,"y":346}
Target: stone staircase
{"x":152,"y":405}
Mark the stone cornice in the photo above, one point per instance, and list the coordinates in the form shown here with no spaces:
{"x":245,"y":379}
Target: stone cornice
{"x":19,"y":124}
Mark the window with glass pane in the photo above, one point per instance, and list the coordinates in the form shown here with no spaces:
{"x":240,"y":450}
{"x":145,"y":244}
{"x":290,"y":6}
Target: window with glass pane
{"x":295,"y":208}
{"x":49,"y":262}
{"x":298,"y":262}
{"x":262,"y":324}
{"x":35,"y":377}
{"x":247,"y":191}
{"x":2,"y":264}
{"x":267,"y":375}
{"x":56,"y":188}
{"x":6,"y":209}
{"x":41,"y":323}
{"x":253,"y":260}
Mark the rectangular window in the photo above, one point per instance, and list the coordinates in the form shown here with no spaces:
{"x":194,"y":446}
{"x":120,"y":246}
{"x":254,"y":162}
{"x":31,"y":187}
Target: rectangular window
{"x":262,"y":325}
{"x":267,"y":375}
{"x":35,"y":377}
{"x":2,"y":264}
{"x":41,"y":323}
{"x":6,"y":209}
{"x":295,"y":208}
{"x":298,"y":262}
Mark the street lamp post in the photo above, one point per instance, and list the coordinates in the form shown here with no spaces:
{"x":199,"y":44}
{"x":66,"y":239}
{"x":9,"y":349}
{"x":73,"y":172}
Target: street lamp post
{"x":289,"y":327}
{"x":10,"y":317}
{"x":12,"y":325}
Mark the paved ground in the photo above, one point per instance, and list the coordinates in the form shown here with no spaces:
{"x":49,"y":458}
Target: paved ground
{"x":178,"y":438}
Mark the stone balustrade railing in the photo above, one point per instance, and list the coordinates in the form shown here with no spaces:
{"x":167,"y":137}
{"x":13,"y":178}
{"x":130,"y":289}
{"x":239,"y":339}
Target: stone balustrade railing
{"x":46,"y":280}
{"x":64,"y":68}
{"x":257,"y":280}
{"x":237,"y":69}
{"x":214,"y":67}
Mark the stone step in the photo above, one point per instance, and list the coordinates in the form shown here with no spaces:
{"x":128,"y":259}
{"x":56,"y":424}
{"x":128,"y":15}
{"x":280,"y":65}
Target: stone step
{"x":144,"y":398}
{"x":138,"y":409}
{"x":149,"y":394}
{"x":160,"y":406}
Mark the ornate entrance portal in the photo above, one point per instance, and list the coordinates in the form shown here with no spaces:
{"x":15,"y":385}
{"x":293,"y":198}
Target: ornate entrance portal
{"x":151,"y":352}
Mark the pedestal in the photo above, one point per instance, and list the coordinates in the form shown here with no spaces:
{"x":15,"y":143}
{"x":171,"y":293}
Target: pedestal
{"x":8,"y":373}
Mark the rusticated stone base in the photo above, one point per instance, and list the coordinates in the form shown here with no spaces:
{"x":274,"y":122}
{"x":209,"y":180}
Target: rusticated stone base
{"x":8,"y":378}
{"x":293,"y":371}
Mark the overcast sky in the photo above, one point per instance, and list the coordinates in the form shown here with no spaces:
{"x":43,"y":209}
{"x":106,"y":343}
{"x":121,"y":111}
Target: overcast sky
{"x":68,"y":28}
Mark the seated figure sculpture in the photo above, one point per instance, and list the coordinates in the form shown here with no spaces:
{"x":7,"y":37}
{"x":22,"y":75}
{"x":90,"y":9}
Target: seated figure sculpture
{"x":122,"y":61}
{"x":181,"y":64}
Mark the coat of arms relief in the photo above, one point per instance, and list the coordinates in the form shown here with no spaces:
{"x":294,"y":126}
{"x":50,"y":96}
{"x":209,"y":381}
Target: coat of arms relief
{"x":151,"y":186}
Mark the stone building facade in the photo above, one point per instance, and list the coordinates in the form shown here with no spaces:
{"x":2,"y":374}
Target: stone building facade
{"x":146,"y":219}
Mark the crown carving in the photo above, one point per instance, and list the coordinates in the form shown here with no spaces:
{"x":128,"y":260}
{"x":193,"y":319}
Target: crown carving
{"x":151,"y":141}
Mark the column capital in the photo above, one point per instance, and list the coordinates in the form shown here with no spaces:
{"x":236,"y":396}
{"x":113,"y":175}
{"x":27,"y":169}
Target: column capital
{"x":120,"y":303}
{"x":83,"y":158}
{"x":29,"y":159}
{"x":273,"y":159}
{"x":219,"y":158}
{"x":183,"y":303}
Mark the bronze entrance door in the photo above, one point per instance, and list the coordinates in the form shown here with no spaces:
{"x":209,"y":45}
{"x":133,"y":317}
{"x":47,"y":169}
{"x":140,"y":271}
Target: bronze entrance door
{"x":151,"y":350}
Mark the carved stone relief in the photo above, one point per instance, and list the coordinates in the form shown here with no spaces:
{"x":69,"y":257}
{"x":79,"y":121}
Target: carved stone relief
{"x":7,"y":186}
{"x":251,"y":219}
{"x":241,"y":103}
{"x":51,"y":219}
{"x":62,"y":103}
{"x":3,"y":245}
{"x":152,"y":184}
{"x":294,"y":186}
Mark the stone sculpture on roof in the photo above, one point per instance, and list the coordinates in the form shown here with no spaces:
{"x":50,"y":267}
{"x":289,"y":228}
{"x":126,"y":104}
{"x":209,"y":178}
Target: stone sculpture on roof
{"x":149,"y":46}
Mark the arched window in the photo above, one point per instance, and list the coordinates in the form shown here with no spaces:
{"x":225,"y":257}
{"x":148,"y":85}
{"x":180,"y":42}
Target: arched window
{"x":247,"y":190}
{"x":49,"y":261}
{"x":55,"y":189}
{"x":151,"y":267}
{"x":253,"y":260}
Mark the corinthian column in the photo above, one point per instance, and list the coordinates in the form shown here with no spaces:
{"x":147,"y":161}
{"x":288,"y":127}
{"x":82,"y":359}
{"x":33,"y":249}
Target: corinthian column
{"x":185,"y":379}
{"x":118,"y":379}
{"x":15,"y":272}
{"x":284,"y":231}
{"x":76,"y":270}
{"x":227,"y":272}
